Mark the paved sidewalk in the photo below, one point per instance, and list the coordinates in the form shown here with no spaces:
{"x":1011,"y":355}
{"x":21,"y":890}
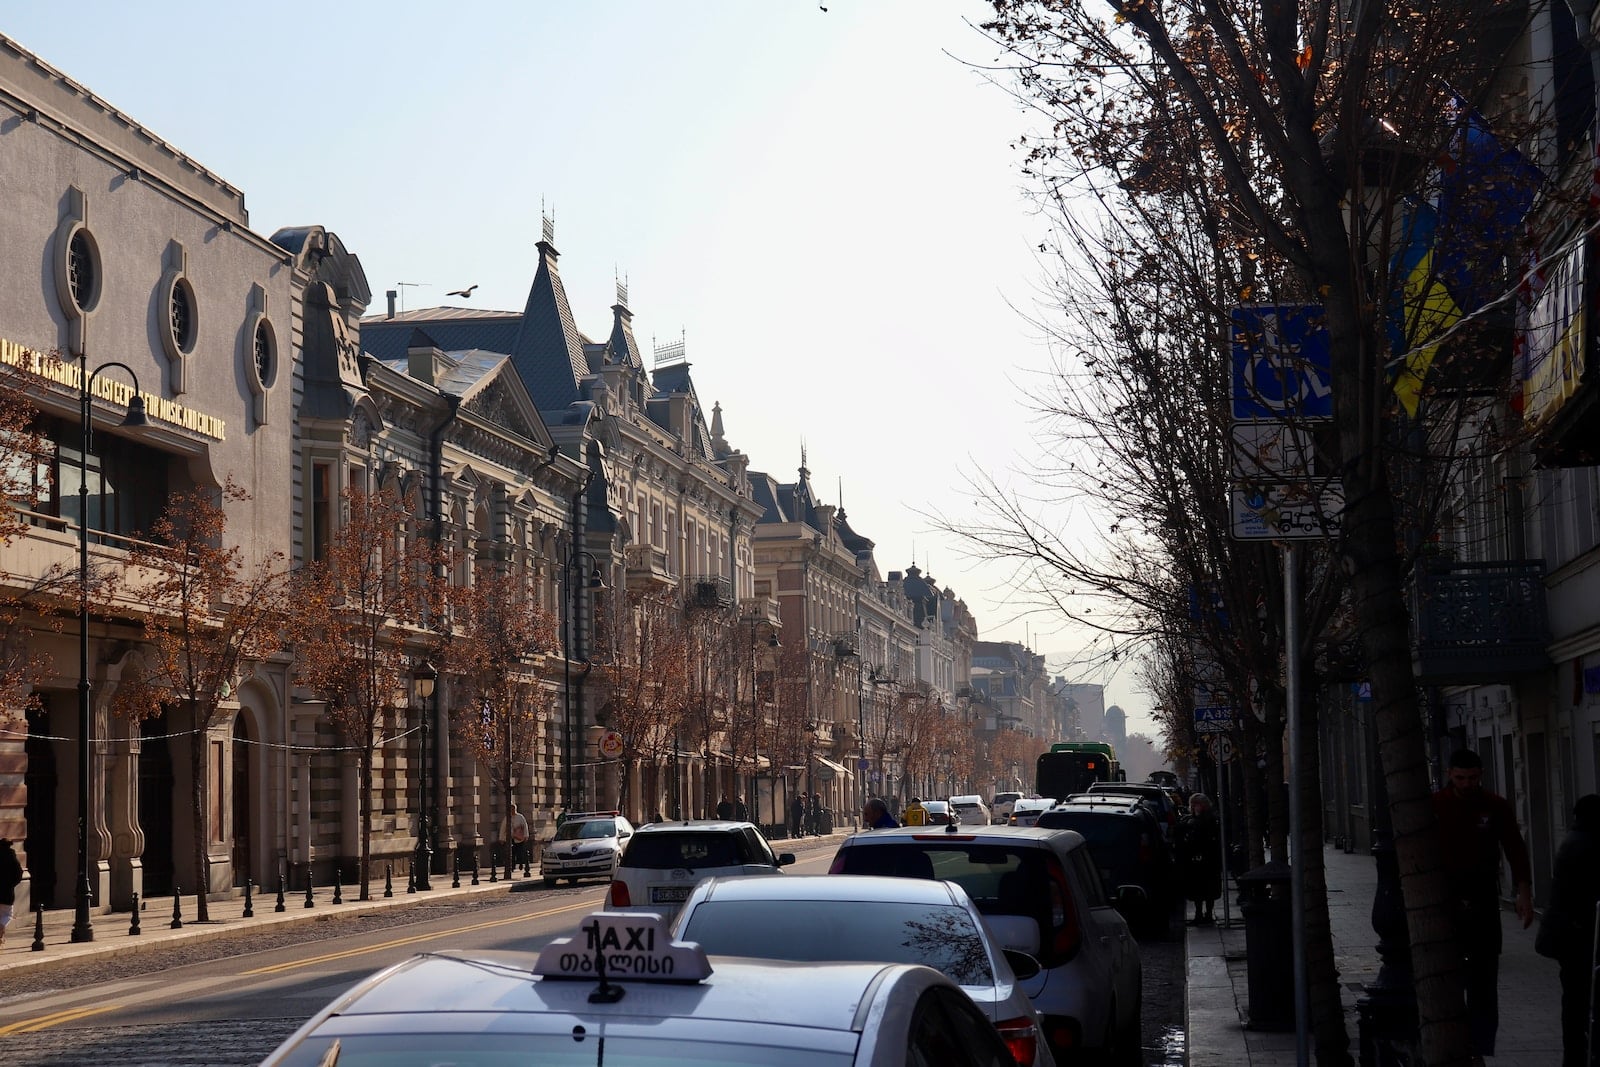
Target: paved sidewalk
{"x":1217,"y":991}
{"x":112,"y":936}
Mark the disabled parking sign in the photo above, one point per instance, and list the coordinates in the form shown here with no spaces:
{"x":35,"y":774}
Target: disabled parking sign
{"x":1282,"y":364}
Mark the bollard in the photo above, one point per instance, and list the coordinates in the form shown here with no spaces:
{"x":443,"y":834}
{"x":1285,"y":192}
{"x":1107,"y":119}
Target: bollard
{"x":133,"y":927}
{"x":338,"y":886}
{"x":283,"y":887}
{"x":388,"y":879}
{"x":527,"y":862}
{"x":249,"y":906}
{"x":177,"y":907}
{"x":411,"y":881}
{"x":494,"y":866}
{"x":474,"y":865}
{"x":455,"y":869}
{"x":38,"y":929}
{"x":311,"y":901}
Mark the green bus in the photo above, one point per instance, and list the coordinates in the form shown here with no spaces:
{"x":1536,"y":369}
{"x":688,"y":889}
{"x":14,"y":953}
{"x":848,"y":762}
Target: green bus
{"x":1070,"y":766}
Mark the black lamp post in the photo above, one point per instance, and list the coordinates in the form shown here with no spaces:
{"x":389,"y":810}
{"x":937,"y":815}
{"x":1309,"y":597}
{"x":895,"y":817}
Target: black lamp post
{"x":426,"y":677}
{"x":82,"y":928}
{"x":568,"y":743}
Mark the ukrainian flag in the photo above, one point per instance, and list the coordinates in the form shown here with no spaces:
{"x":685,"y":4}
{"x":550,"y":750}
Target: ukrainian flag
{"x":1425,"y":309}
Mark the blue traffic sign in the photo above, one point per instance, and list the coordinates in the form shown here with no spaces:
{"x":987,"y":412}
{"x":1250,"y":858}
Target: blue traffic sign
{"x":1282,"y":366}
{"x":1216,"y":719}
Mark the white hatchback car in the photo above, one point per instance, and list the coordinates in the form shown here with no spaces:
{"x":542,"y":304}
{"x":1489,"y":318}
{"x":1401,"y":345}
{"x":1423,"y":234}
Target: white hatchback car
{"x":969,"y":811}
{"x":587,"y":845}
{"x":623,"y":993}
{"x":1026,"y":811}
{"x":832,"y":919}
{"x":664,"y":860}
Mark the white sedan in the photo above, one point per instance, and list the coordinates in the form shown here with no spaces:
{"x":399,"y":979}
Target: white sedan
{"x":831,"y":918}
{"x":621,"y":993}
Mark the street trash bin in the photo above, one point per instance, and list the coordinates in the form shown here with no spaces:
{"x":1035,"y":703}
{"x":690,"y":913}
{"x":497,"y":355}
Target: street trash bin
{"x":1264,"y":898}
{"x":825,"y":821}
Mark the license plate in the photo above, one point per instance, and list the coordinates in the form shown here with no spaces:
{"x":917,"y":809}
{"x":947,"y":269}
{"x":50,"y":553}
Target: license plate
{"x":669,"y":894}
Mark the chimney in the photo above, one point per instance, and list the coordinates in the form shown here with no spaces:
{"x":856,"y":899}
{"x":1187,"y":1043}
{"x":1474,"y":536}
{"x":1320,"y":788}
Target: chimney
{"x":391,"y":294}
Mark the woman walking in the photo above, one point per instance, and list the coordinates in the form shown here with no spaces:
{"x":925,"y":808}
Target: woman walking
{"x":1200,"y":857}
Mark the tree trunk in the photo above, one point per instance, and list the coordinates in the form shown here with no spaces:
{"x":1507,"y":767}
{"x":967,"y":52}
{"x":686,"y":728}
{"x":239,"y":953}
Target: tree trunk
{"x":197,"y":796}
{"x":364,"y":784}
{"x":1322,"y":973}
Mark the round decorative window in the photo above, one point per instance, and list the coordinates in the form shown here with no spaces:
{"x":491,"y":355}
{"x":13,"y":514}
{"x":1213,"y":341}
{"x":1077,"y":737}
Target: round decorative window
{"x":182,"y":318}
{"x":264,"y":353}
{"x":83,"y":269}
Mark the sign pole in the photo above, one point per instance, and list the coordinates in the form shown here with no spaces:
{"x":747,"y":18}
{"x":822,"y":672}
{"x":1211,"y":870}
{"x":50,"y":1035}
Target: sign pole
{"x":1297,"y":885}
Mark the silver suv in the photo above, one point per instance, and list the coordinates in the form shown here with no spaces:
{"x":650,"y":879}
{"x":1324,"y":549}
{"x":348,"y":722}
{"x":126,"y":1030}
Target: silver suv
{"x":1040,"y":893}
{"x":665,"y":860}
{"x":587,"y":844}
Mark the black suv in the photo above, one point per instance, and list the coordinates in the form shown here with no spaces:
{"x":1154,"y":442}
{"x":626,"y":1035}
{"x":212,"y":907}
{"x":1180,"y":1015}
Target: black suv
{"x":1124,"y":837}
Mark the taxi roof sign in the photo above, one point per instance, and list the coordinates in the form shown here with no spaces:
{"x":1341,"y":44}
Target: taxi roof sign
{"x":624,"y":945}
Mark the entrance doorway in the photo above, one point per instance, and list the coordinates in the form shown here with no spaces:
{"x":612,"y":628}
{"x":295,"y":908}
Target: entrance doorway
{"x":39,"y":810}
{"x":240,"y":796}
{"x":155,"y":806}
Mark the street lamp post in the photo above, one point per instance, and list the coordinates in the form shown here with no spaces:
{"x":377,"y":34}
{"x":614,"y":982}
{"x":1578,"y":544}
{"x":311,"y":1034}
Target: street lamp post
{"x":426,"y":677}
{"x":82,"y":928}
{"x":568,"y":742}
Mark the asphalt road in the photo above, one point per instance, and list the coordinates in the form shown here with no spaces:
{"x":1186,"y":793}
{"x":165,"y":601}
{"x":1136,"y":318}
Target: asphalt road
{"x":232,"y":1000}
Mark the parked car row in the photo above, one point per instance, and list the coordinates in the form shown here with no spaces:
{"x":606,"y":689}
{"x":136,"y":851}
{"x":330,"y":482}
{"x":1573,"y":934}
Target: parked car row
{"x":957,"y":944}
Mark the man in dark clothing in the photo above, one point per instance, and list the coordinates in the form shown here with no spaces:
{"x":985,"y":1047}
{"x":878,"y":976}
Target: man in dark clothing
{"x":1475,"y":827}
{"x":875,"y":815}
{"x":816,"y":813}
{"x":797,"y":815}
{"x":725,"y":808}
{"x":740,"y":812}
{"x":1574,"y":889}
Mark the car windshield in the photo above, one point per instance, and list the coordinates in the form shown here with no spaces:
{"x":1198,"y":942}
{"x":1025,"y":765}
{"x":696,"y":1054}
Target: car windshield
{"x":1000,"y":879}
{"x":398,"y":1049}
{"x":689,"y":849}
{"x":573,"y":831}
{"x":940,"y":936}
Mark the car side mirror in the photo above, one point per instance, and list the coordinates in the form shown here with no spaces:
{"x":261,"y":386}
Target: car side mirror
{"x":1022,"y":964}
{"x":785,"y":858}
{"x":1131,"y":894}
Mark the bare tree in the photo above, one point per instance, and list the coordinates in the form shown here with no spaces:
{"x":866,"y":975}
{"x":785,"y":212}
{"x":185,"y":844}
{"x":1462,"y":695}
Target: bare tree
{"x":646,"y":682}
{"x":364,"y":616}
{"x":1302,"y":125}
{"x":209,"y":616}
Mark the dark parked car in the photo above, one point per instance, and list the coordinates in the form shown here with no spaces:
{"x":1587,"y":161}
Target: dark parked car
{"x":1124,"y":837}
{"x":1159,"y":799}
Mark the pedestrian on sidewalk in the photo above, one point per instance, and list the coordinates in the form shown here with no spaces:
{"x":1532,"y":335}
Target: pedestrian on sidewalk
{"x":519,"y":836}
{"x":1475,"y":827}
{"x":797,"y":815}
{"x":1566,"y":930}
{"x":725,"y":807}
{"x":10,"y":878}
{"x":1200,"y":857}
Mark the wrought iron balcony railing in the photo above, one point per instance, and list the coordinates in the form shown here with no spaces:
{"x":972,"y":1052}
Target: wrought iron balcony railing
{"x":1477,"y":623}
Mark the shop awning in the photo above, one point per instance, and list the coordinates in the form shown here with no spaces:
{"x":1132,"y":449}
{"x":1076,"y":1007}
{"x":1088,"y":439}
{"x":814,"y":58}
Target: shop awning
{"x":838,"y":769}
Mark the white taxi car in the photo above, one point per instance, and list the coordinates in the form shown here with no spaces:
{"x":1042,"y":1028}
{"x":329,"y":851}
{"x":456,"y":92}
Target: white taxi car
{"x":620,"y":992}
{"x":587,"y":845}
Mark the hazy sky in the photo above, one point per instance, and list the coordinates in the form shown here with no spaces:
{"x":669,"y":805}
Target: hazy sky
{"x":823,"y":204}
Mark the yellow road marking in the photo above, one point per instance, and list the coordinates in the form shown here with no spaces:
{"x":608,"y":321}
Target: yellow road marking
{"x":399,"y":942}
{"x":44,"y":1022}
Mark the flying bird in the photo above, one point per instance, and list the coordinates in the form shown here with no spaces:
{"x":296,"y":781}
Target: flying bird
{"x":463,"y":293}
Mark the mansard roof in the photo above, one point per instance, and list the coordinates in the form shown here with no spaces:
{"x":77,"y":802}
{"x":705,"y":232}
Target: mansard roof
{"x":452,"y":330}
